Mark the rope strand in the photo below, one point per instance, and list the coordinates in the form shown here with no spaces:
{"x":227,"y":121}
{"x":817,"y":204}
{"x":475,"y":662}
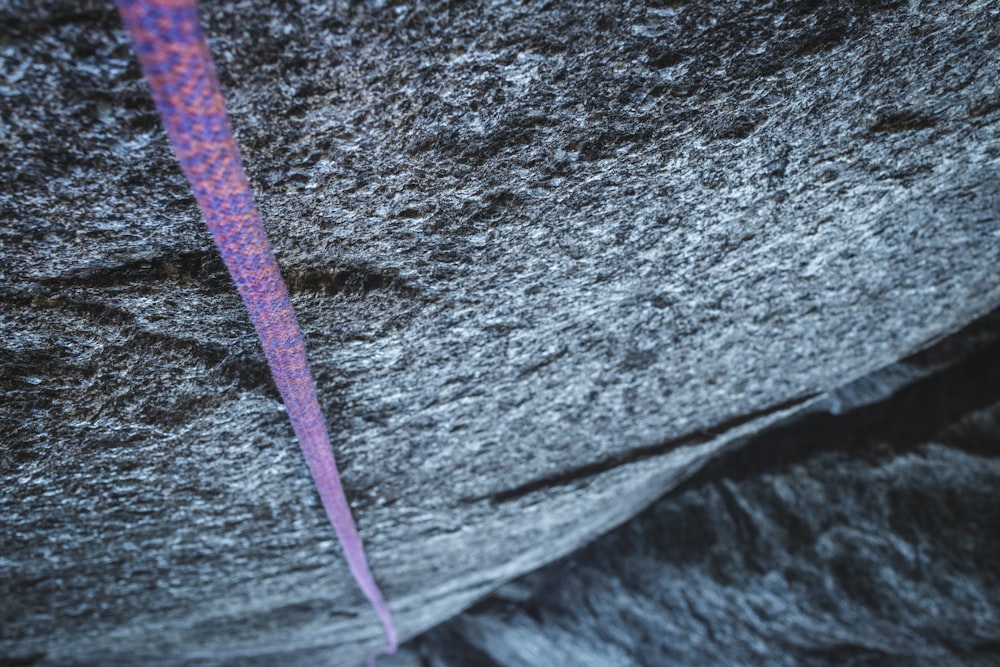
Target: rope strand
{"x":177,"y":64}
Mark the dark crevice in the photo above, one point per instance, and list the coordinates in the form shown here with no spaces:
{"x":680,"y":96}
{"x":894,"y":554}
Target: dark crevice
{"x":246,"y":373}
{"x":204,"y":268}
{"x":207,"y":268}
{"x":32,"y":27}
{"x":901,"y":420}
{"x":899,"y":423}
{"x":453,"y":648}
{"x":21,"y":661}
{"x":548,"y":359}
{"x":198,"y":266}
{"x":635,"y":455}
{"x":352,"y":281}
{"x":891,"y":122}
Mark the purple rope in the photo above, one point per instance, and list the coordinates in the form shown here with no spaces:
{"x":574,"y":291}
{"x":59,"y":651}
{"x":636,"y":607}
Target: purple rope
{"x":177,"y":64}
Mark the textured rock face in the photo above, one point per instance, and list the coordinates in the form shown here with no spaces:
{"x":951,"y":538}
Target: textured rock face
{"x":722,"y":576}
{"x":865,"y":537}
{"x":550,"y":258}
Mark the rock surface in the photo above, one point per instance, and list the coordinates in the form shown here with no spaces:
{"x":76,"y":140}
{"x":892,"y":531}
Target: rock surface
{"x":862,"y":538}
{"x":550,"y":258}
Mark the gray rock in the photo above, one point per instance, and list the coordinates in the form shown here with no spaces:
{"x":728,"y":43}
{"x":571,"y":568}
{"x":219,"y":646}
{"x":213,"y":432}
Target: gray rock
{"x":550,"y":259}
{"x":862,"y":538}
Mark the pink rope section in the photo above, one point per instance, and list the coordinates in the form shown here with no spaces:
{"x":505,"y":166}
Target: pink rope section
{"x":177,"y":64}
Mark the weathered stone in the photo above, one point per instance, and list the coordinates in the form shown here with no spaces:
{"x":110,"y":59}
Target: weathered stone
{"x":861,"y":537}
{"x":550,"y":258}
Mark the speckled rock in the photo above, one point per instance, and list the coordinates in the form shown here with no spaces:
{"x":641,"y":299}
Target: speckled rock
{"x":865,"y":537}
{"x":550,"y":258}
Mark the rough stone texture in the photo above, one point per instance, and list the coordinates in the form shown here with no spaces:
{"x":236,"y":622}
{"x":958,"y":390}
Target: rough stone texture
{"x":550,"y":258}
{"x":863,"y":538}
